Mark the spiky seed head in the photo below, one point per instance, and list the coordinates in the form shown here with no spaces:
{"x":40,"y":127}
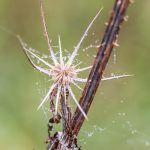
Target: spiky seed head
{"x":63,"y":74}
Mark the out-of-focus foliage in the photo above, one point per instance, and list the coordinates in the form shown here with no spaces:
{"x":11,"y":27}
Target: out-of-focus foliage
{"x":119,"y":116}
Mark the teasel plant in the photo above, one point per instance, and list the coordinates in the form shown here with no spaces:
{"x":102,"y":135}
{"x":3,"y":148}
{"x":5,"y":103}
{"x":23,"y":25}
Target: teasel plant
{"x":65,"y":73}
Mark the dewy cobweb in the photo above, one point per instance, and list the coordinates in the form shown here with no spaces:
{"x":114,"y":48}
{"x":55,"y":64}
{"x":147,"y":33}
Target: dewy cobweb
{"x":62,"y":72}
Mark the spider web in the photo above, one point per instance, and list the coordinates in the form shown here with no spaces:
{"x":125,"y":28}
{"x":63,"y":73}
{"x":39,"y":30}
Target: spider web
{"x":132,"y":138}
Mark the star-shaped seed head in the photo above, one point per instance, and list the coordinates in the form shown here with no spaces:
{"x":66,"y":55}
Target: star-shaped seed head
{"x":63,"y":73}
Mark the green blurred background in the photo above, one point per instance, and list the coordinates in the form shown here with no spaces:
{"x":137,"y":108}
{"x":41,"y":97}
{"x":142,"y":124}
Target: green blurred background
{"x":120,"y":114}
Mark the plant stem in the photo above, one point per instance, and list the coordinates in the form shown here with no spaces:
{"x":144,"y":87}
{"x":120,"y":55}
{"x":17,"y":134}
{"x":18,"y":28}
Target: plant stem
{"x":108,"y":42}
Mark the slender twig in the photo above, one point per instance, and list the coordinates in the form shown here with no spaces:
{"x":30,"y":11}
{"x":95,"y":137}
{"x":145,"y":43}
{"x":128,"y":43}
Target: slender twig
{"x":109,"y":41}
{"x":67,"y":138}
